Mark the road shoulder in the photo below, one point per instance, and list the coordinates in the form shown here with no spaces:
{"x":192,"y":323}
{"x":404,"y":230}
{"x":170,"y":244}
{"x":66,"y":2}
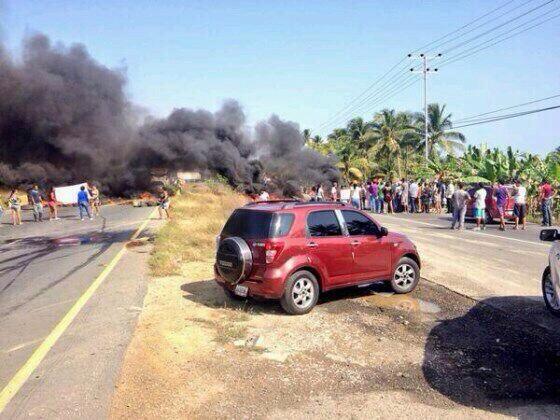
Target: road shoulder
{"x":77,"y":377}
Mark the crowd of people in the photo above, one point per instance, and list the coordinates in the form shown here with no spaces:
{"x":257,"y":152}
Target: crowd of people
{"x":88,"y":202}
{"x":438,"y":196}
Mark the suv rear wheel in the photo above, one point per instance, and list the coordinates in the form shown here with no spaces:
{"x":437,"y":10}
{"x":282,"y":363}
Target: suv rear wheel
{"x":300,"y":293}
{"x":406,"y":275}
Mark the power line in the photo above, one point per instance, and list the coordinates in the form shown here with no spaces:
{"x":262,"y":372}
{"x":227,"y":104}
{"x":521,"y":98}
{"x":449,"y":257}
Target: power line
{"x":364,"y":100}
{"x":423,"y":47}
{"x":466,"y":53}
{"x":364,"y":91}
{"x":357,"y":98}
{"x":507,"y":116}
{"x":497,"y":27}
{"x":493,"y":19}
{"x":475,"y":117}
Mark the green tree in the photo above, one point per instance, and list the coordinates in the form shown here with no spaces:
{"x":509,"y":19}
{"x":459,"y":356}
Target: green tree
{"x":441,"y":137}
{"x":388,"y":131}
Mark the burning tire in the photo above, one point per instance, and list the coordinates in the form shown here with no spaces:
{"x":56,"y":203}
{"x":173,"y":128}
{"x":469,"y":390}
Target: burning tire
{"x":234,"y":259}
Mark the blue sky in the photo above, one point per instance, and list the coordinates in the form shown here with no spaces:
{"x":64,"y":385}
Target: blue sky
{"x":303,"y":60}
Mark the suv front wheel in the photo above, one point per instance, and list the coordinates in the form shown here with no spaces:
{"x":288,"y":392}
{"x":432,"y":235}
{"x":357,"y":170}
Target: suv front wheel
{"x":300,"y":293}
{"x":405,"y":276}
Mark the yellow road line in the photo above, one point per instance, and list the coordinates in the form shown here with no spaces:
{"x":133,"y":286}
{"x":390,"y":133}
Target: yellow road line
{"x":19,"y":379}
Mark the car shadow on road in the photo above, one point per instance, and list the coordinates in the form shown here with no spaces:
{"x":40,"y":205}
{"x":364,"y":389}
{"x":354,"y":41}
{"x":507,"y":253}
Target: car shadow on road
{"x":494,"y":360}
{"x":208,"y":293}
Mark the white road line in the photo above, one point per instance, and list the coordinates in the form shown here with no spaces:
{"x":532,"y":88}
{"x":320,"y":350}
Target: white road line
{"x":470,"y":232}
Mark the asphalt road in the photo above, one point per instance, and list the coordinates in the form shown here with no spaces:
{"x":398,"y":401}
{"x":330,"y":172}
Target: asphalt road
{"x":500,"y":267}
{"x":44,"y":268}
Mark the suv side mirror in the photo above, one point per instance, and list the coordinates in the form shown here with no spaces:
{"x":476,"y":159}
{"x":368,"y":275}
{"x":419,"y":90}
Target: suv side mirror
{"x":383,"y":231}
{"x":549,"y":235}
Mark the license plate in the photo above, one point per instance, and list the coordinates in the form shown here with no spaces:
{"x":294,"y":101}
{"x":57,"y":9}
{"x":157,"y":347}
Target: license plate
{"x":241,"y":290}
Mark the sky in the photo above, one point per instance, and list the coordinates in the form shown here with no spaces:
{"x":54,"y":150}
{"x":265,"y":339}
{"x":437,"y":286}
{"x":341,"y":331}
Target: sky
{"x":305,"y":60}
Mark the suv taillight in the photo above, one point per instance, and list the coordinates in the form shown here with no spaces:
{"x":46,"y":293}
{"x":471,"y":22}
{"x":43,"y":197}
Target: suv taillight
{"x":271,"y":250}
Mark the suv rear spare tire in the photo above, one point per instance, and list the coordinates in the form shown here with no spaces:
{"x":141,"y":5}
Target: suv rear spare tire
{"x":300,"y":293}
{"x":234,"y":259}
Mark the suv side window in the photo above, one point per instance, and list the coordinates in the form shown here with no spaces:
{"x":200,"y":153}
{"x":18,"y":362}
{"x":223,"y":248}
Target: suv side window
{"x":282,"y":224}
{"x":323,"y":223}
{"x":358,"y":224}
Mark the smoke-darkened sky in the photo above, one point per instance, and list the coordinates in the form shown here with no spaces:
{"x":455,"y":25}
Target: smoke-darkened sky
{"x":65,"y":117}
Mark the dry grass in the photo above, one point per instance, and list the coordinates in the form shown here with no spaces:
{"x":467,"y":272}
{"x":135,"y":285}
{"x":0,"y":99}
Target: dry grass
{"x":197,"y":217}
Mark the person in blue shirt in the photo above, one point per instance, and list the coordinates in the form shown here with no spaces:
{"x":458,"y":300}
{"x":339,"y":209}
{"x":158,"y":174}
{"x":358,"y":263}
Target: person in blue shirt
{"x":83,"y":203}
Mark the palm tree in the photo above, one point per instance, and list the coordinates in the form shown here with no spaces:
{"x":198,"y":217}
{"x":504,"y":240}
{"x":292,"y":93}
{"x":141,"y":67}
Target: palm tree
{"x":350,"y":162}
{"x":306,"y":133}
{"x":441,"y":139}
{"x":358,"y":132}
{"x":387,"y":133}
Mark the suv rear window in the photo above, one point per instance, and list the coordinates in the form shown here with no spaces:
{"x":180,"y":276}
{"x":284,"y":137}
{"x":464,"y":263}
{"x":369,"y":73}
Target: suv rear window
{"x":323,"y":223}
{"x":254,"y":224}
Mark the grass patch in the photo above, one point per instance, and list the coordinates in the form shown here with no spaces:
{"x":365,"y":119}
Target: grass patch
{"x":229,"y":332}
{"x":198,"y":215}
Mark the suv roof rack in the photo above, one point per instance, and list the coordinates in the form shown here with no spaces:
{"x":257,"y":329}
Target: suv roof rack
{"x":314,"y":203}
{"x":288,"y":200}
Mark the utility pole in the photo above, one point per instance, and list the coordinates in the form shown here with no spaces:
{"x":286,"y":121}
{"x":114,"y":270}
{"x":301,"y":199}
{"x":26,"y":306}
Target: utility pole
{"x":425,"y":70}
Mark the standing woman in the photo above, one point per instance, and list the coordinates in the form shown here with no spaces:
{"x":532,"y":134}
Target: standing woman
{"x":53,"y":206}
{"x":426,"y":197}
{"x":163,"y":204}
{"x":15,"y":206}
{"x":388,"y":197}
{"x":436,"y":193}
{"x":95,"y":202}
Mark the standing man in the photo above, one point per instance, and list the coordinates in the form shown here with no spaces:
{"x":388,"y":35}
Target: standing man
{"x":35,"y":197}
{"x":320,"y":193}
{"x":480,"y":206}
{"x":95,"y":202}
{"x":449,"y":196}
{"x":83,"y":203}
{"x":460,"y":199}
{"x":545,"y":195}
{"x":334,"y":191}
{"x":413,"y":192}
{"x":164,"y":202}
{"x":404,"y":195}
{"x":355,"y":195}
{"x":520,"y":206}
{"x":501,"y":194}
{"x":372,"y":191}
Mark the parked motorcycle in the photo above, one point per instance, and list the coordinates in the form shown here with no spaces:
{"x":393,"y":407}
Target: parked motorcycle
{"x":551,"y":274}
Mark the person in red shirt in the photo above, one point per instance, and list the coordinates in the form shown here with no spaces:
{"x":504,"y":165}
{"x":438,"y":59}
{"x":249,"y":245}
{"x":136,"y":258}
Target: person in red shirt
{"x":546,"y":194}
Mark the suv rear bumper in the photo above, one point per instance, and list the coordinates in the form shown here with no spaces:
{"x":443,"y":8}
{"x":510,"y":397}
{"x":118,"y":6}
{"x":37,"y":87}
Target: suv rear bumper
{"x":269,"y":286}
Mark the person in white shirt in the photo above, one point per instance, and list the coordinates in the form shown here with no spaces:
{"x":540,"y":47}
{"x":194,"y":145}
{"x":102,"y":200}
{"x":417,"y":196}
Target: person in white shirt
{"x":355,"y":195}
{"x":480,"y":206}
{"x":334,"y":191}
{"x":320,"y":193}
{"x":413,"y":192}
{"x":264,"y":196}
{"x":449,"y":196}
{"x":520,"y":204}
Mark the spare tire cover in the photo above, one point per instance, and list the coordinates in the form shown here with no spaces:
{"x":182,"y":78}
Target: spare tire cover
{"x":234,"y":259}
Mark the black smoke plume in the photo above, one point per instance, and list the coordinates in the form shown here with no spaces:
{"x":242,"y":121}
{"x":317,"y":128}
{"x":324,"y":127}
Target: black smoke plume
{"x":65,"y":118}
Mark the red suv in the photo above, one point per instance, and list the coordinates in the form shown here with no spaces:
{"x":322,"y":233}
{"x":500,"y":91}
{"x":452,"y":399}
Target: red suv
{"x":293,"y":251}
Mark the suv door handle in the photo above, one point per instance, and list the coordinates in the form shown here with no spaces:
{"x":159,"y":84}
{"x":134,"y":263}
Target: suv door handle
{"x":355,"y":243}
{"x":312,"y":244}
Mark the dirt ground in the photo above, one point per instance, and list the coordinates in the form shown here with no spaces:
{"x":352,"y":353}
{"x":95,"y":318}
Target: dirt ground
{"x":361,"y":353}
